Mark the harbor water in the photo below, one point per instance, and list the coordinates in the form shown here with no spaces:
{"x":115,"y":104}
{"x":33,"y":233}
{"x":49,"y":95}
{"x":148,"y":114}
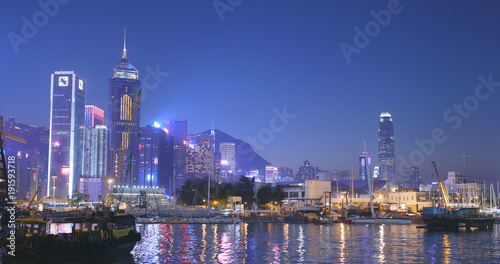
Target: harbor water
{"x":301,"y":243}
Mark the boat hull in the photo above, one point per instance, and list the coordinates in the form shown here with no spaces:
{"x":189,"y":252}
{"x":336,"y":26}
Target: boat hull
{"x":381,"y":221}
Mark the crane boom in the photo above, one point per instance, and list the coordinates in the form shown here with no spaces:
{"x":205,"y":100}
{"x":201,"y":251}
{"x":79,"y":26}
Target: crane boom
{"x":441,"y":187}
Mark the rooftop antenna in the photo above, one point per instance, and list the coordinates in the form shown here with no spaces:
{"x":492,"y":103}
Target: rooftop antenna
{"x":464,"y":156}
{"x":124,"y":54}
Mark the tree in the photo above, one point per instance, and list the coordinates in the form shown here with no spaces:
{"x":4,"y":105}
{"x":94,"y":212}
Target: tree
{"x":244,"y":188}
{"x":268,"y":194}
{"x":193,"y":192}
{"x":78,"y":197}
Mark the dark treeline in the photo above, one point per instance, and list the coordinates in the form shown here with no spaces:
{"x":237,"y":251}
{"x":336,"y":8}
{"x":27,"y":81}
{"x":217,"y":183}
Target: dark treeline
{"x":195,"y":192}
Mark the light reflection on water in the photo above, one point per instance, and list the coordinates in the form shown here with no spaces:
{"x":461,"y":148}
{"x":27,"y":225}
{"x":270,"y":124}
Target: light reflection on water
{"x":300,"y":243}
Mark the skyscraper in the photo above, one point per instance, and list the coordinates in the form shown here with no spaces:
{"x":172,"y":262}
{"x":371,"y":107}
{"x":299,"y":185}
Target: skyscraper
{"x":362,"y":165}
{"x":96,"y":157}
{"x":123,"y":88}
{"x":228,"y":161}
{"x":156,"y":158}
{"x":307,"y":172}
{"x":178,"y":128}
{"x":93,"y":116}
{"x":67,"y":120}
{"x":386,"y":157}
{"x":411,"y":177}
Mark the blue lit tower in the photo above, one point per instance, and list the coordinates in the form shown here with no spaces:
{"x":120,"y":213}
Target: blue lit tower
{"x":386,"y":157}
{"x":67,"y":121}
{"x":123,"y":88}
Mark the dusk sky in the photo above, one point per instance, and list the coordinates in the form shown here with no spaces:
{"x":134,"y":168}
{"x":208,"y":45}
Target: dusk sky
{"x":236,"y":66}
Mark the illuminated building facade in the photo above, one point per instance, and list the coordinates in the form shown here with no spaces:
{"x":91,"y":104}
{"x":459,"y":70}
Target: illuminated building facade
{"x":271,"y":174}
{"x":178,"y":128}
{"x":411,"y":177}
{"x":67,"y":121}
{"x":386,"y":156}
{"x":123,"y":88}
{"x":156,"y":158}
{"x":32,"y":156}
{"x":199,"y":156}
{"x":363,"y":163}
{"x":96,"y":152}
{"x":90,"y":186}
{"x":94,"y":116}
{"x":228,"y":161}
{"x":307,"y":172}
{"x":286,"y":174}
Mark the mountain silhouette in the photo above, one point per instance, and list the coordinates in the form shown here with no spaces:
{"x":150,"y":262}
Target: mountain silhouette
{"x":246,"y":158}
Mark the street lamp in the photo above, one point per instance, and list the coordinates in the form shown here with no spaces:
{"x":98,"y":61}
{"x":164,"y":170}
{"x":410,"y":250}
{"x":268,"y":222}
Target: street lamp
{"x":110,"y":181}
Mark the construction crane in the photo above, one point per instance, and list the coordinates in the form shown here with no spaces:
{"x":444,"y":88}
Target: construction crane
{"x":32,"y":199}
{"x":441,"y":187}
{"x":4,"y":197}
{"x":122,"y":153}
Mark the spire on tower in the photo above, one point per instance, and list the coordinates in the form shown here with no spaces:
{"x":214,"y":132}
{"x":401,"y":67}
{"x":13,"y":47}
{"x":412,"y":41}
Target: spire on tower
{"x":124,"y":54}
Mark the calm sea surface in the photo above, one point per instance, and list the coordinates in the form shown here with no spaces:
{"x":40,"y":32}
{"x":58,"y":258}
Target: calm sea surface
{"x":302,"y":243}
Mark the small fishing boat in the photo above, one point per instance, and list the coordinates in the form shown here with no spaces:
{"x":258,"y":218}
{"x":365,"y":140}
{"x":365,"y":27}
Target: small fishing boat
{"x":76,"y":236}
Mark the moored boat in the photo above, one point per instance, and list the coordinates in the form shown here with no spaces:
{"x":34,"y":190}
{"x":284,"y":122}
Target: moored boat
{"x":381,"y":221}
{"x":212,"y":220}
{"x":76,"y":236}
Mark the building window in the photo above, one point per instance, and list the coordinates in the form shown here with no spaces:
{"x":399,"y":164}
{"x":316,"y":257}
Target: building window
{"x":294,"y":195}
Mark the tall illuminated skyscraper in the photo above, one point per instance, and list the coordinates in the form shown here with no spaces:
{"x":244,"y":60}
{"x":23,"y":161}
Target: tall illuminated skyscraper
{"x":67,"y":121}
{"x":123,"y":88}
{"x":386,"y":157}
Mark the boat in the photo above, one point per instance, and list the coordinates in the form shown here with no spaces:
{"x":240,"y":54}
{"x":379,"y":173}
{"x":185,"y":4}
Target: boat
{"x":380,"y":221}
{"x":148,"y":219}
{"x":373,"y":219}
{"x":219,"y":219}
{"x":76,"y":236}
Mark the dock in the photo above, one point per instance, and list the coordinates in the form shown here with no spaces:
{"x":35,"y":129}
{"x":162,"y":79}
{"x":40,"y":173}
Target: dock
{"x":436,"y":224}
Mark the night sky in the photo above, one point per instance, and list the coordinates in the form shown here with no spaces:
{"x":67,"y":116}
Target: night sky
{"x":267,"y":55}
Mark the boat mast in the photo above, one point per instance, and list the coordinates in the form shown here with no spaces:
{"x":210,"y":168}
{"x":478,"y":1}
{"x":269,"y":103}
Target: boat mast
{"x":352,"y":185}
{"x":369,"y":181}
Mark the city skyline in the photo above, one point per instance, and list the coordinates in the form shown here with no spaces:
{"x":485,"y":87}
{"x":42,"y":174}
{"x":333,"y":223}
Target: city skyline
{"x":292,"y":67}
